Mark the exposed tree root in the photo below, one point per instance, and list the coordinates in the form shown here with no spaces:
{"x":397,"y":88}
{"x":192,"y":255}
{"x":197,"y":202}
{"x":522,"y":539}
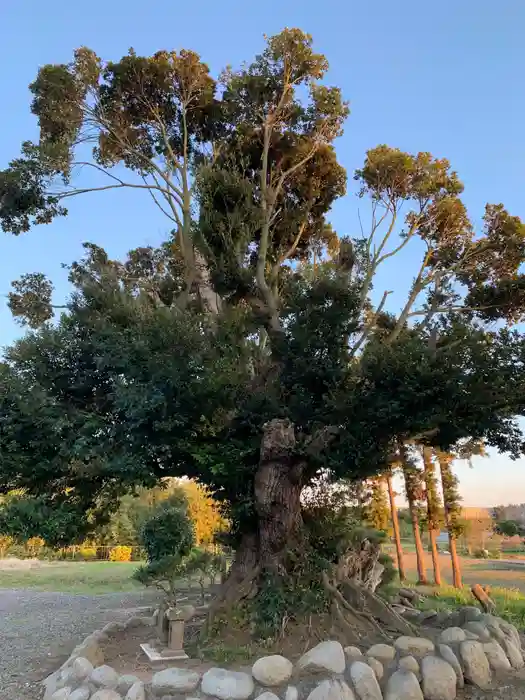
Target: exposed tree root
{"x":361,"y":619}
{"x":359,"y":609}
{"x":482,"y":595}
{"x":347,"y":603}
{"x":233,"y":591}
{"x":378,"y":608}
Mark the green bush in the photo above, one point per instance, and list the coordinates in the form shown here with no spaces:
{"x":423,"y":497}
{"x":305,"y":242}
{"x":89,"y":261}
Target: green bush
{"x":18,"y":551}
{"x":38,"y":519}
{"x":334,"y":528}
{"x":204,"y":567}
{"x":167,"y":538}
{"x":390,"y":572}
{"x":330,"y":522}
{"x":487,"y":554}
{"x":167,"y":532}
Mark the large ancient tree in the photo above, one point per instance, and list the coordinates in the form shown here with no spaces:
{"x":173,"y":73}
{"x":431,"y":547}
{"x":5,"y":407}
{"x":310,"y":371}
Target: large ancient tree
{"x":225,"y":355}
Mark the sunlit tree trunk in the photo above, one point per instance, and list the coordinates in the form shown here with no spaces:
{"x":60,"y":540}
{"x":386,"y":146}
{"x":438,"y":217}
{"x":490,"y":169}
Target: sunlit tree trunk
{"x":432,"y":509}
{"x":451,"y":500}
{"x":413,"y":489}
{"x":395,"y":527}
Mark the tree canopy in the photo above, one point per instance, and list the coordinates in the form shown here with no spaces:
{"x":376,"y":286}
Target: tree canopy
{"x":509,"y":528}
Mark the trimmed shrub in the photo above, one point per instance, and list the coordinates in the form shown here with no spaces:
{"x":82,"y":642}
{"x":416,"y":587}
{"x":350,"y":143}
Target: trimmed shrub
{"x":87,"y":553}
{"x":168,"y":538}
{"x":168,"y":532}
{"x":120,"y":553}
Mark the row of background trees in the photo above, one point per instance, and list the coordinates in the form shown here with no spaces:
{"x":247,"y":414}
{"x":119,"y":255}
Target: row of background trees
{"x":435,"y":508}
{"x":23,"y":532}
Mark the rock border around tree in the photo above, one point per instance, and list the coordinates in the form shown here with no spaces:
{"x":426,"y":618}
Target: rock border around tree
{"x":411,"y":668}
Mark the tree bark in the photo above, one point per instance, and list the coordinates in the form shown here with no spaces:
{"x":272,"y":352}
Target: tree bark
{"x":277,"y":494}
{"x":246,"y":557}
{"x":432,"y":510}
{"x":412,"y":487}
{"x":280,"y":531}
{"x":456,"y":566}
{"x":277,"y":490}
{"x":420,"y":554}
{"x":210,"y":300}
{"x":446,"y":477}
{"x":395,"y":527}
{"x":435,"y":557}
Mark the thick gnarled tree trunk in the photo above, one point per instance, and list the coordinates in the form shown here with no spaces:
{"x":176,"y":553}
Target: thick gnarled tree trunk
{"x":350,"y":583}
{"x":277,"y":490}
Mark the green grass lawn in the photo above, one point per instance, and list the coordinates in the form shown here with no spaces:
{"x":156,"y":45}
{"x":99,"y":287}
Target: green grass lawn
{"x":80,"y":578}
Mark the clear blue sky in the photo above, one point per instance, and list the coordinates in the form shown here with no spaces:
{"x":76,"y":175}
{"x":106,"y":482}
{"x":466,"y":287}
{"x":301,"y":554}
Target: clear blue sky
{"x":444,"y":77}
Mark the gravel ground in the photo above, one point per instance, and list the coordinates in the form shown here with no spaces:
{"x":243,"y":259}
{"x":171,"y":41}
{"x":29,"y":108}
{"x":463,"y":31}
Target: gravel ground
{"x":511,"y":688}
{"x":39,"y":630}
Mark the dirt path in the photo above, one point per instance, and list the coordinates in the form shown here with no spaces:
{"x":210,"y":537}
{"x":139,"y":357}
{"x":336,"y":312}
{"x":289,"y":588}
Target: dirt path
{"x":511,"y":688}
{"x":39,"y":630}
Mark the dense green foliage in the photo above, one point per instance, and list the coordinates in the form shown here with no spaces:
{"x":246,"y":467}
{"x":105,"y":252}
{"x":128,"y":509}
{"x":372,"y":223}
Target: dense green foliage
{"x":167,"y":532}
{"x":451,"y":496}
{"x":432,"y":498}
{"x":167,"y":537}
{"x":509,"y":528}
{"x":57,"y":522}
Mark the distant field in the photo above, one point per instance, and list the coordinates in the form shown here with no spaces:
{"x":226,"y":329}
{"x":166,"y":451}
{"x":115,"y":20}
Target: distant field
{"x":491,"y":572}
{"x":96,"y":578}
{"x":81,"y":578}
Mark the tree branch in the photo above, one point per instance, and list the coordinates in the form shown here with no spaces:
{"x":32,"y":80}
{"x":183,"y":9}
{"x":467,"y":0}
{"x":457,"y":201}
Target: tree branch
{"x":73,"y":193}
{"x":167,"y":214}
{"x":399,"y":248}
{"x":168,"y":198}
{"x":291,"y":171}
{"x":434,"y":304}
{"x":260,"y":271}
{"x":417,"y":288}
{"x":369,"y":325}
{"x":459,"y":309}
{"x":387,"y":235}
{"x":291,"y":250}
{"x":148,"y":162}
{"x":120,"y":183}
{"x":376,"y":260}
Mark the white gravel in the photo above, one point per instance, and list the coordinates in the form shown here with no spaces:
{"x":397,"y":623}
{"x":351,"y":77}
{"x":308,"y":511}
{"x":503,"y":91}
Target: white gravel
{"x":39,"y":630}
